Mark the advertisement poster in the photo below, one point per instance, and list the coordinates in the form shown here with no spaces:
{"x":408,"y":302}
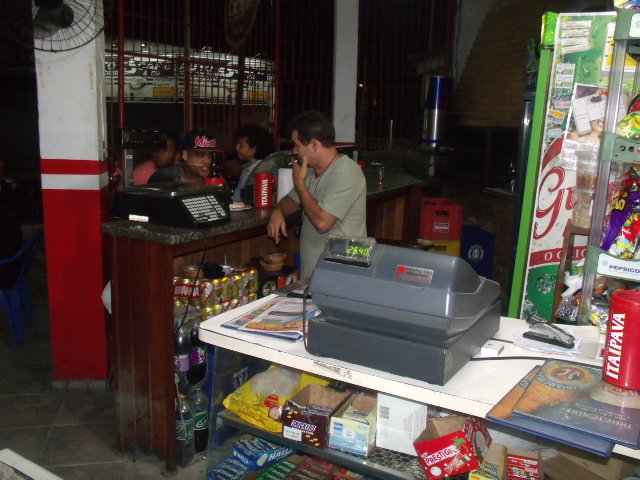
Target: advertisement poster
{"x":156,"y":75}
{"x":577,"y":90}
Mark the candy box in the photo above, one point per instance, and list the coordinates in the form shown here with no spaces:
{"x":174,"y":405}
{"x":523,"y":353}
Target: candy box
{"x":307,"y":415}
{"x":452,"y":445}
{"x":353,"y":426}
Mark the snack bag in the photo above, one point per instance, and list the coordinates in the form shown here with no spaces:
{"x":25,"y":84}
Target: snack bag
{"x":624,"y":205}
{"x":259,"y":401}
{"x":629,"y":126}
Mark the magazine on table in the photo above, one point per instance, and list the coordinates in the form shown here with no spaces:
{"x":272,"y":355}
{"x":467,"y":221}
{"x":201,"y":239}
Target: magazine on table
{"x":574,"y":396}
{"x":502,"y":414}
{"x":280,"y":317}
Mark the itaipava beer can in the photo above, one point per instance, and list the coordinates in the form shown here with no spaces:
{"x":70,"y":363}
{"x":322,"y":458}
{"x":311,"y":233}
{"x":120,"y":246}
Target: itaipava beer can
{"x":263,"y":190}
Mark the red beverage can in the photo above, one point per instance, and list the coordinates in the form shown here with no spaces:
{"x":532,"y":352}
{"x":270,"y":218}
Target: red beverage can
{"x":263,"y":190}
{"x":621,"y":365}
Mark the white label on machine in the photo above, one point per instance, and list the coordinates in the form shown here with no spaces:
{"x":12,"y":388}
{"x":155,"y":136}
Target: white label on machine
{"x":618,"y":267}
{"x":414,"y":274}
{"x":138,"y":218}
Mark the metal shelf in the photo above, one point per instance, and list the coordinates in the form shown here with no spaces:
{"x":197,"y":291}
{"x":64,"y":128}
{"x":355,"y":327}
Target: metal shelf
{"x":381,"y":464}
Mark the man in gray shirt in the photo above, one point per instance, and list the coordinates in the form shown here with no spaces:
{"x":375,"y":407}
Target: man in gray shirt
{"x":329,"y":187}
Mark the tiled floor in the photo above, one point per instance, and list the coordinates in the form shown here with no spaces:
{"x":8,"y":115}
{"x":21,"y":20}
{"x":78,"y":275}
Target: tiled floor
{"x":70,"y":432}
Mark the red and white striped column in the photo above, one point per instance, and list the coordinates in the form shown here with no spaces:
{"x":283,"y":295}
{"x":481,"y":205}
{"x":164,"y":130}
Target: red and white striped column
{"x":71,"y":111}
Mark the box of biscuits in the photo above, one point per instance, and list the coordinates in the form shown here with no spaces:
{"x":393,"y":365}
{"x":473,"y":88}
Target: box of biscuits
{"x":306,"y":416}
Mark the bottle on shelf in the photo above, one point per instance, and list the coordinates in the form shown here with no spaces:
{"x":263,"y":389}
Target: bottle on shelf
{"x":182,"y":325}
{"x":197,"y":372}
{"x":199,"y":403}
{"x":184,"y":432}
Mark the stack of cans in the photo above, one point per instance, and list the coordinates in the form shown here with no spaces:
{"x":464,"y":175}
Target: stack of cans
{"x":214,"y":296}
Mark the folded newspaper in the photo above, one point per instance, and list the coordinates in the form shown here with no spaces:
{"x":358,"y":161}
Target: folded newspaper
{"x":281,"y":317}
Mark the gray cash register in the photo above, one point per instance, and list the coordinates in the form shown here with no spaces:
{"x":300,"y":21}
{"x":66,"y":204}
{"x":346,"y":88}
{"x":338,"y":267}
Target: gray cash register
{"x":401,"y":310}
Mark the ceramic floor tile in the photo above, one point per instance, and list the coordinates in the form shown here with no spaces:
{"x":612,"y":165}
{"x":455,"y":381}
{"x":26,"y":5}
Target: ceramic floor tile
{"x":149,"y":466}
{"x":80,"y":444}
{"x":86,"y":407}
{"x":99,"y":471}
{"x":27,"y":442}
{"x":18,"y":411}
{"x":26,"y":381}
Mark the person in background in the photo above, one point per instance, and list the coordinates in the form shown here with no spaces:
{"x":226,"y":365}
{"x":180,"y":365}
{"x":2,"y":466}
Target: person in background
{"x":330,"y":189}
{"x":197,"y":151}
{"x":11,"y":240}
{"x":231,"y":171}
{"x":253,"y":143}
{"x":163,"y":157}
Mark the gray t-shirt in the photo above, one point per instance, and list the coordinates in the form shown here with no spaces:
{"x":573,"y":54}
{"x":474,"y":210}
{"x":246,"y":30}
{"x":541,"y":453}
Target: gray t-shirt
{"x":341,"y":191}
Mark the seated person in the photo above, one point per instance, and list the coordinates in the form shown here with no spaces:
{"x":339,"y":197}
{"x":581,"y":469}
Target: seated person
{"x":253,"y":143}
{"x":10,"y":242}
{"x":197,"y":151}
{"x":163,"y":157}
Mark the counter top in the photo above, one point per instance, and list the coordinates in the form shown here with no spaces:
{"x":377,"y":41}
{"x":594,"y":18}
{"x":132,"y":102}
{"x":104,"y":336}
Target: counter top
{"x":395,"y":181}
{"x":474,"y":390}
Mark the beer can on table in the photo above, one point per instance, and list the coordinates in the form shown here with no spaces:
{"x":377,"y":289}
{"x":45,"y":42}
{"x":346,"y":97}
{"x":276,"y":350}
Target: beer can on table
{"x":263,"y":190}
{"x":621,"y":365}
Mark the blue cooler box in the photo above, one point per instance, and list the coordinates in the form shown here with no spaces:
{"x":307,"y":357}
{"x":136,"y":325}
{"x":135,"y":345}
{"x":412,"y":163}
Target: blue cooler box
{"x":477,"y":247}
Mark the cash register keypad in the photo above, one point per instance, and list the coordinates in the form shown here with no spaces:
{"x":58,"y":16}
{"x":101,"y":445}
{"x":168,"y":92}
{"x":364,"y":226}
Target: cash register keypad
{"x":204,"y":208}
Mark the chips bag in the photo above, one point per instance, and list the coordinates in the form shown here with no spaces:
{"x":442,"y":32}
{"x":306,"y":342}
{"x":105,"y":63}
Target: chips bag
{"x":259,"y":401}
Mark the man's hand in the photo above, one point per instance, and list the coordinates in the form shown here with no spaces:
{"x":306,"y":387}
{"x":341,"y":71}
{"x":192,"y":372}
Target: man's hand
{"x":299,"y":172}
{"x":277,"y":226}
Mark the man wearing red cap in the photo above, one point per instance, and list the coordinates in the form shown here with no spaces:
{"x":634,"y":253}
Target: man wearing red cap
{"x":197,"y":149}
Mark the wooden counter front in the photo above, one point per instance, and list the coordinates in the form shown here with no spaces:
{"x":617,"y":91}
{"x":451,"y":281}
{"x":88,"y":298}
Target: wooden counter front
{"x":144,"y":258}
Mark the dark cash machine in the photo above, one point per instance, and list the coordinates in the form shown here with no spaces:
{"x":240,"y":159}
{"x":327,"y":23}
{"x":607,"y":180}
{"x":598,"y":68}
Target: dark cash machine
{"x":187,"y":205}
{"x":401,"y":310}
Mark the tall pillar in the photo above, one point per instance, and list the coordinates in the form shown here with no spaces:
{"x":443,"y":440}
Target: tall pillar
{"x":71,"y":113}
{"x":345,"y":71}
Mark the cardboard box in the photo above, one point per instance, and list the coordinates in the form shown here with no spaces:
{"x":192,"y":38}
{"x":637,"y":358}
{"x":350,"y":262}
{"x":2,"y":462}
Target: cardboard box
{"x":399,"y":422}
{"x":353,"y":427}
{"x":307,"y":415}
{"x":452,"y":445}
{"x":494,"y":464}
{"x":569,"y":465}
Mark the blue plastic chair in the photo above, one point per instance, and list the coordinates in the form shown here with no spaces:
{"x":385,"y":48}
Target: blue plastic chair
{"x":16,"y":300}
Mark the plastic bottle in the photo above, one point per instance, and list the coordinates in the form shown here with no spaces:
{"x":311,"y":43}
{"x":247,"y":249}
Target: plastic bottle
{"x":197,"y":373}
{"x":184,"y":432}
{"x":182,"y":356}
{"x":199,"y":403}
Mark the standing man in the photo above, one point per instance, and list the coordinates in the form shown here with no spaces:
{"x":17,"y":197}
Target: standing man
{"x":329,"y":187}
{"x":162,"y":157}
{"x":197,"y":151}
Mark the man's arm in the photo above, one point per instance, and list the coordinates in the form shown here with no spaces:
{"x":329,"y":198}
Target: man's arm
{"x":322,"y":220}
{"x":277,"y":224}
{"x":319,"y":218}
